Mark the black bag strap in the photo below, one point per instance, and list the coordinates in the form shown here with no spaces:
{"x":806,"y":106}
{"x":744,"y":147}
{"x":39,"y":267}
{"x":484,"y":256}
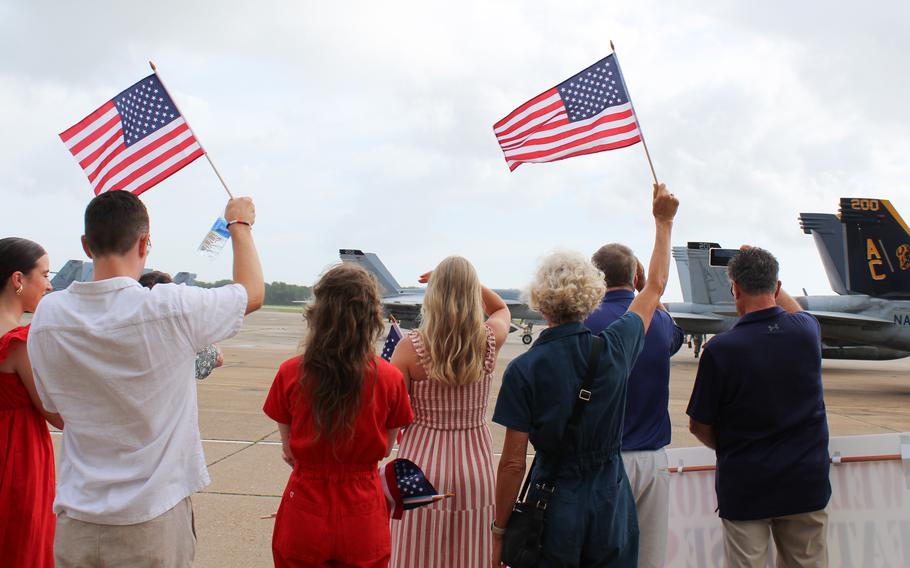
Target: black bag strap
{"x":584,"y":396}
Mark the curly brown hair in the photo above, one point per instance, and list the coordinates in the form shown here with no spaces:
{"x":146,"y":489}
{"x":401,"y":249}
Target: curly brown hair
{"x":343,"y":323}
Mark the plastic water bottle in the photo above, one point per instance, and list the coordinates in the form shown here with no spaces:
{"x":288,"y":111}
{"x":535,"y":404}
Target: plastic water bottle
{"x":215,"y":240}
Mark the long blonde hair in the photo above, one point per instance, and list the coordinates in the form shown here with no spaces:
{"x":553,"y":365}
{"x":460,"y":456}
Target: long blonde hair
{"x":452,"y":323}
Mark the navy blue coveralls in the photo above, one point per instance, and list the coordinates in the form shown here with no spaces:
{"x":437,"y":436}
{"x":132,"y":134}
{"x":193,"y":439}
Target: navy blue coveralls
{"x":591,"y":519}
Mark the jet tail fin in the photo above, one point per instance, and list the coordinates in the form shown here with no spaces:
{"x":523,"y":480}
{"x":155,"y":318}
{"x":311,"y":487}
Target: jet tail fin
{"x":371,"y":262}
{"x":878,"y":248}
{"x":828,"y":233}
{"x":72,"y":271}
{"x":700,"y":282}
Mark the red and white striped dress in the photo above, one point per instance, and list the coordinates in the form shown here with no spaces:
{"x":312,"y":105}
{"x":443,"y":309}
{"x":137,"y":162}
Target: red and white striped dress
{"x":450,"y":440}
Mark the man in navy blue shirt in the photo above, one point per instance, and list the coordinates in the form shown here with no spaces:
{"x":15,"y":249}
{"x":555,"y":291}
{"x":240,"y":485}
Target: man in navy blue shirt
{"x":758,"y":401}
{"x":646,"y":427}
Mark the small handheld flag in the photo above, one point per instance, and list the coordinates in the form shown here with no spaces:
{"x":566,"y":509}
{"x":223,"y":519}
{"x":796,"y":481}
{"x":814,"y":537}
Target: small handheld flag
{"x":133,"y":141}
{"x":587,"y":113}
{"x":391,"y":341}
{"x":406,"y":487}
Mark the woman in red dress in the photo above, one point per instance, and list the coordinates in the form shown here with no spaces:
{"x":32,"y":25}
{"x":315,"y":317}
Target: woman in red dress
{"x":339,"y":408}
{"x":26,"y":453}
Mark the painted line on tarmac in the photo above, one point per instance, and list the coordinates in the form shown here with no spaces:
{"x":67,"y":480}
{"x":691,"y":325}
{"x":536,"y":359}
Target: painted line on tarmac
{"x":234,"y":494}
{"x":247,"y":446}
{"x":259,"y":442}
{"x":242,"y":442}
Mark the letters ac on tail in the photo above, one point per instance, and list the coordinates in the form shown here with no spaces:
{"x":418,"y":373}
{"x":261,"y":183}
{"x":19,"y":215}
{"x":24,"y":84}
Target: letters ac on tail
{"x":877,"y":248}
{"x":865,"y":251}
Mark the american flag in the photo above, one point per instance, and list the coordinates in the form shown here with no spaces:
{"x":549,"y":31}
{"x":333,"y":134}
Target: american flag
{"x":391,"y":341}
{"x":406,"y":487}
{"x":587,"y":113}
{"x":133,"y":141}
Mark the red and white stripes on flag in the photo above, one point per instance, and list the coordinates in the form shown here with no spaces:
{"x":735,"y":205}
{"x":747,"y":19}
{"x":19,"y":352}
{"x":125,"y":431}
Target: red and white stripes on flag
{"x":589,"y":112}
{"x":133,"y":141}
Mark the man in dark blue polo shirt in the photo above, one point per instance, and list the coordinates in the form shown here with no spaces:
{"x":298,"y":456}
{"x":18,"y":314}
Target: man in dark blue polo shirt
{"x":646,"y":427}
{"x":758,"y":401}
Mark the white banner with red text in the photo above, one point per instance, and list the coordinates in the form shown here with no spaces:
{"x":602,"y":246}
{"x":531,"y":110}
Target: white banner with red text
{"x":869,"y":512}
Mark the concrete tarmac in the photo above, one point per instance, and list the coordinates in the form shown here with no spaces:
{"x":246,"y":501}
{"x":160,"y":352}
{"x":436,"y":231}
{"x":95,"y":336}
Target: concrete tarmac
{"x":243,"y":451}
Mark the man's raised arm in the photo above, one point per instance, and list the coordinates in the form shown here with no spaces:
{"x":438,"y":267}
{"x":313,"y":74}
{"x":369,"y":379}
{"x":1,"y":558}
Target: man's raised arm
{"x":247,"y":269}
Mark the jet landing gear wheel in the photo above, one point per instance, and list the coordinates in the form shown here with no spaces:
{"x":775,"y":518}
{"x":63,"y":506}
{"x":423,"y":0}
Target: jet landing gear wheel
{"x":527,"y":328}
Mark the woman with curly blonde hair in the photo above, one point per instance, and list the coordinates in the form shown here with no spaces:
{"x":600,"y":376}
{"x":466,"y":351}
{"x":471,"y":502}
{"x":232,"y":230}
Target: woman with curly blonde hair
{"x":578,"y":474}
{"x":448,"y":363}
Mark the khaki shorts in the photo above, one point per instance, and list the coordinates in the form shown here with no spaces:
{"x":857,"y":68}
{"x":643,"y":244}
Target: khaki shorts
{"x":801,"y":541}
{"x":650,"y":481}
{"x":167,"y":541}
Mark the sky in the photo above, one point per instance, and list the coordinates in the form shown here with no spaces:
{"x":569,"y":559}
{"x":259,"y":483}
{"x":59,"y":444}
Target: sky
{"x":369,"y":125}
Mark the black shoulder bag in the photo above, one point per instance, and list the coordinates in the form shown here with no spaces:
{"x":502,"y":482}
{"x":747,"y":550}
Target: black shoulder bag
{"x":522,"y":543}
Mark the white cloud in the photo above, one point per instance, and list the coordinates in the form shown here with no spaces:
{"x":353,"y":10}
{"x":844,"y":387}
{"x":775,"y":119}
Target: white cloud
{"x":369,"y":124}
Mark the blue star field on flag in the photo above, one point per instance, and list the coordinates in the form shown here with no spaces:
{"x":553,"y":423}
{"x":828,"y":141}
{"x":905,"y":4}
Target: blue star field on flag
{"x":144,"y":108}
{"x":589,"y":92}
{"x":412,"y":484}
{"x":406,"y":487}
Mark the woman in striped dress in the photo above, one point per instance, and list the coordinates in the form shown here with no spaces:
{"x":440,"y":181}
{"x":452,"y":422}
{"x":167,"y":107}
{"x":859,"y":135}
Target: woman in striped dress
{"x":448,"y":364}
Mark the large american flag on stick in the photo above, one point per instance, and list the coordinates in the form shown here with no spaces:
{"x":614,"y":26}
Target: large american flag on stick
{"x":587,"y":113}
{"x":133,"y":141}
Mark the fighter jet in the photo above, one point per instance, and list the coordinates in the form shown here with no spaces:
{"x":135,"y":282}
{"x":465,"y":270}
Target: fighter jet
{"x":865,"y":251}
{"x":82,"y":271}
{"x":404,"y":303}
{"x":707,"y":307}
{"x":72,"y":271}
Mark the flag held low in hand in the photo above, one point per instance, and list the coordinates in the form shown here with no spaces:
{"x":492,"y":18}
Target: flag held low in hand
{"x":406,"y":487}
{"x":133,"y":141}
{"x":587,"y":113}
{"x":391,"y":341}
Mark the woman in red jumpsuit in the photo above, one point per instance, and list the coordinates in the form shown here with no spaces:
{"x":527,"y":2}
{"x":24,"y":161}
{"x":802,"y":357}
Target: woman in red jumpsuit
{"x":26,"y":454}
{"x":339,"y":408}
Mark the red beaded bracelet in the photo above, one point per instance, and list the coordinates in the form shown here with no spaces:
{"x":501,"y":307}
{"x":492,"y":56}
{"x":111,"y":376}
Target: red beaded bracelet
{"x":239,"y":222}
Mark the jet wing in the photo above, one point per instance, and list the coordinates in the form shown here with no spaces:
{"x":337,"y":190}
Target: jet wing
{"x":844,"y":318}
{"x":520,"y":310}
{"x":680,"y":317}
{"x":699,"y":323}
{"x":403,"y":300}
{"x":405,"y":308}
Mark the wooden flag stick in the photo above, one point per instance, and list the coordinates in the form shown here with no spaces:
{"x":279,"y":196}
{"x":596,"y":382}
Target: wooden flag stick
{"x":637,"y":119}
{"x":207,"y":157}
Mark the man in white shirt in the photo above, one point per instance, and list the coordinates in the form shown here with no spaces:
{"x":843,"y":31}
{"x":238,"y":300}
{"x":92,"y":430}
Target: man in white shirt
{"x":116,"y":360}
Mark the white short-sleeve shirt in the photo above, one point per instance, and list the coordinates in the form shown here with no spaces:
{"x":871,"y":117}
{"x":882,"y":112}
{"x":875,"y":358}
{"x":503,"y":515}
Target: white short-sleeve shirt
{"x":117,"y":361}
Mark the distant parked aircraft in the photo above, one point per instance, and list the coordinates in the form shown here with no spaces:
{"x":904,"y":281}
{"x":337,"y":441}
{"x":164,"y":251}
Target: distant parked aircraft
{"x":866,"y":254}
{"x":404,"y":303}
{"x":83,"y":270}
